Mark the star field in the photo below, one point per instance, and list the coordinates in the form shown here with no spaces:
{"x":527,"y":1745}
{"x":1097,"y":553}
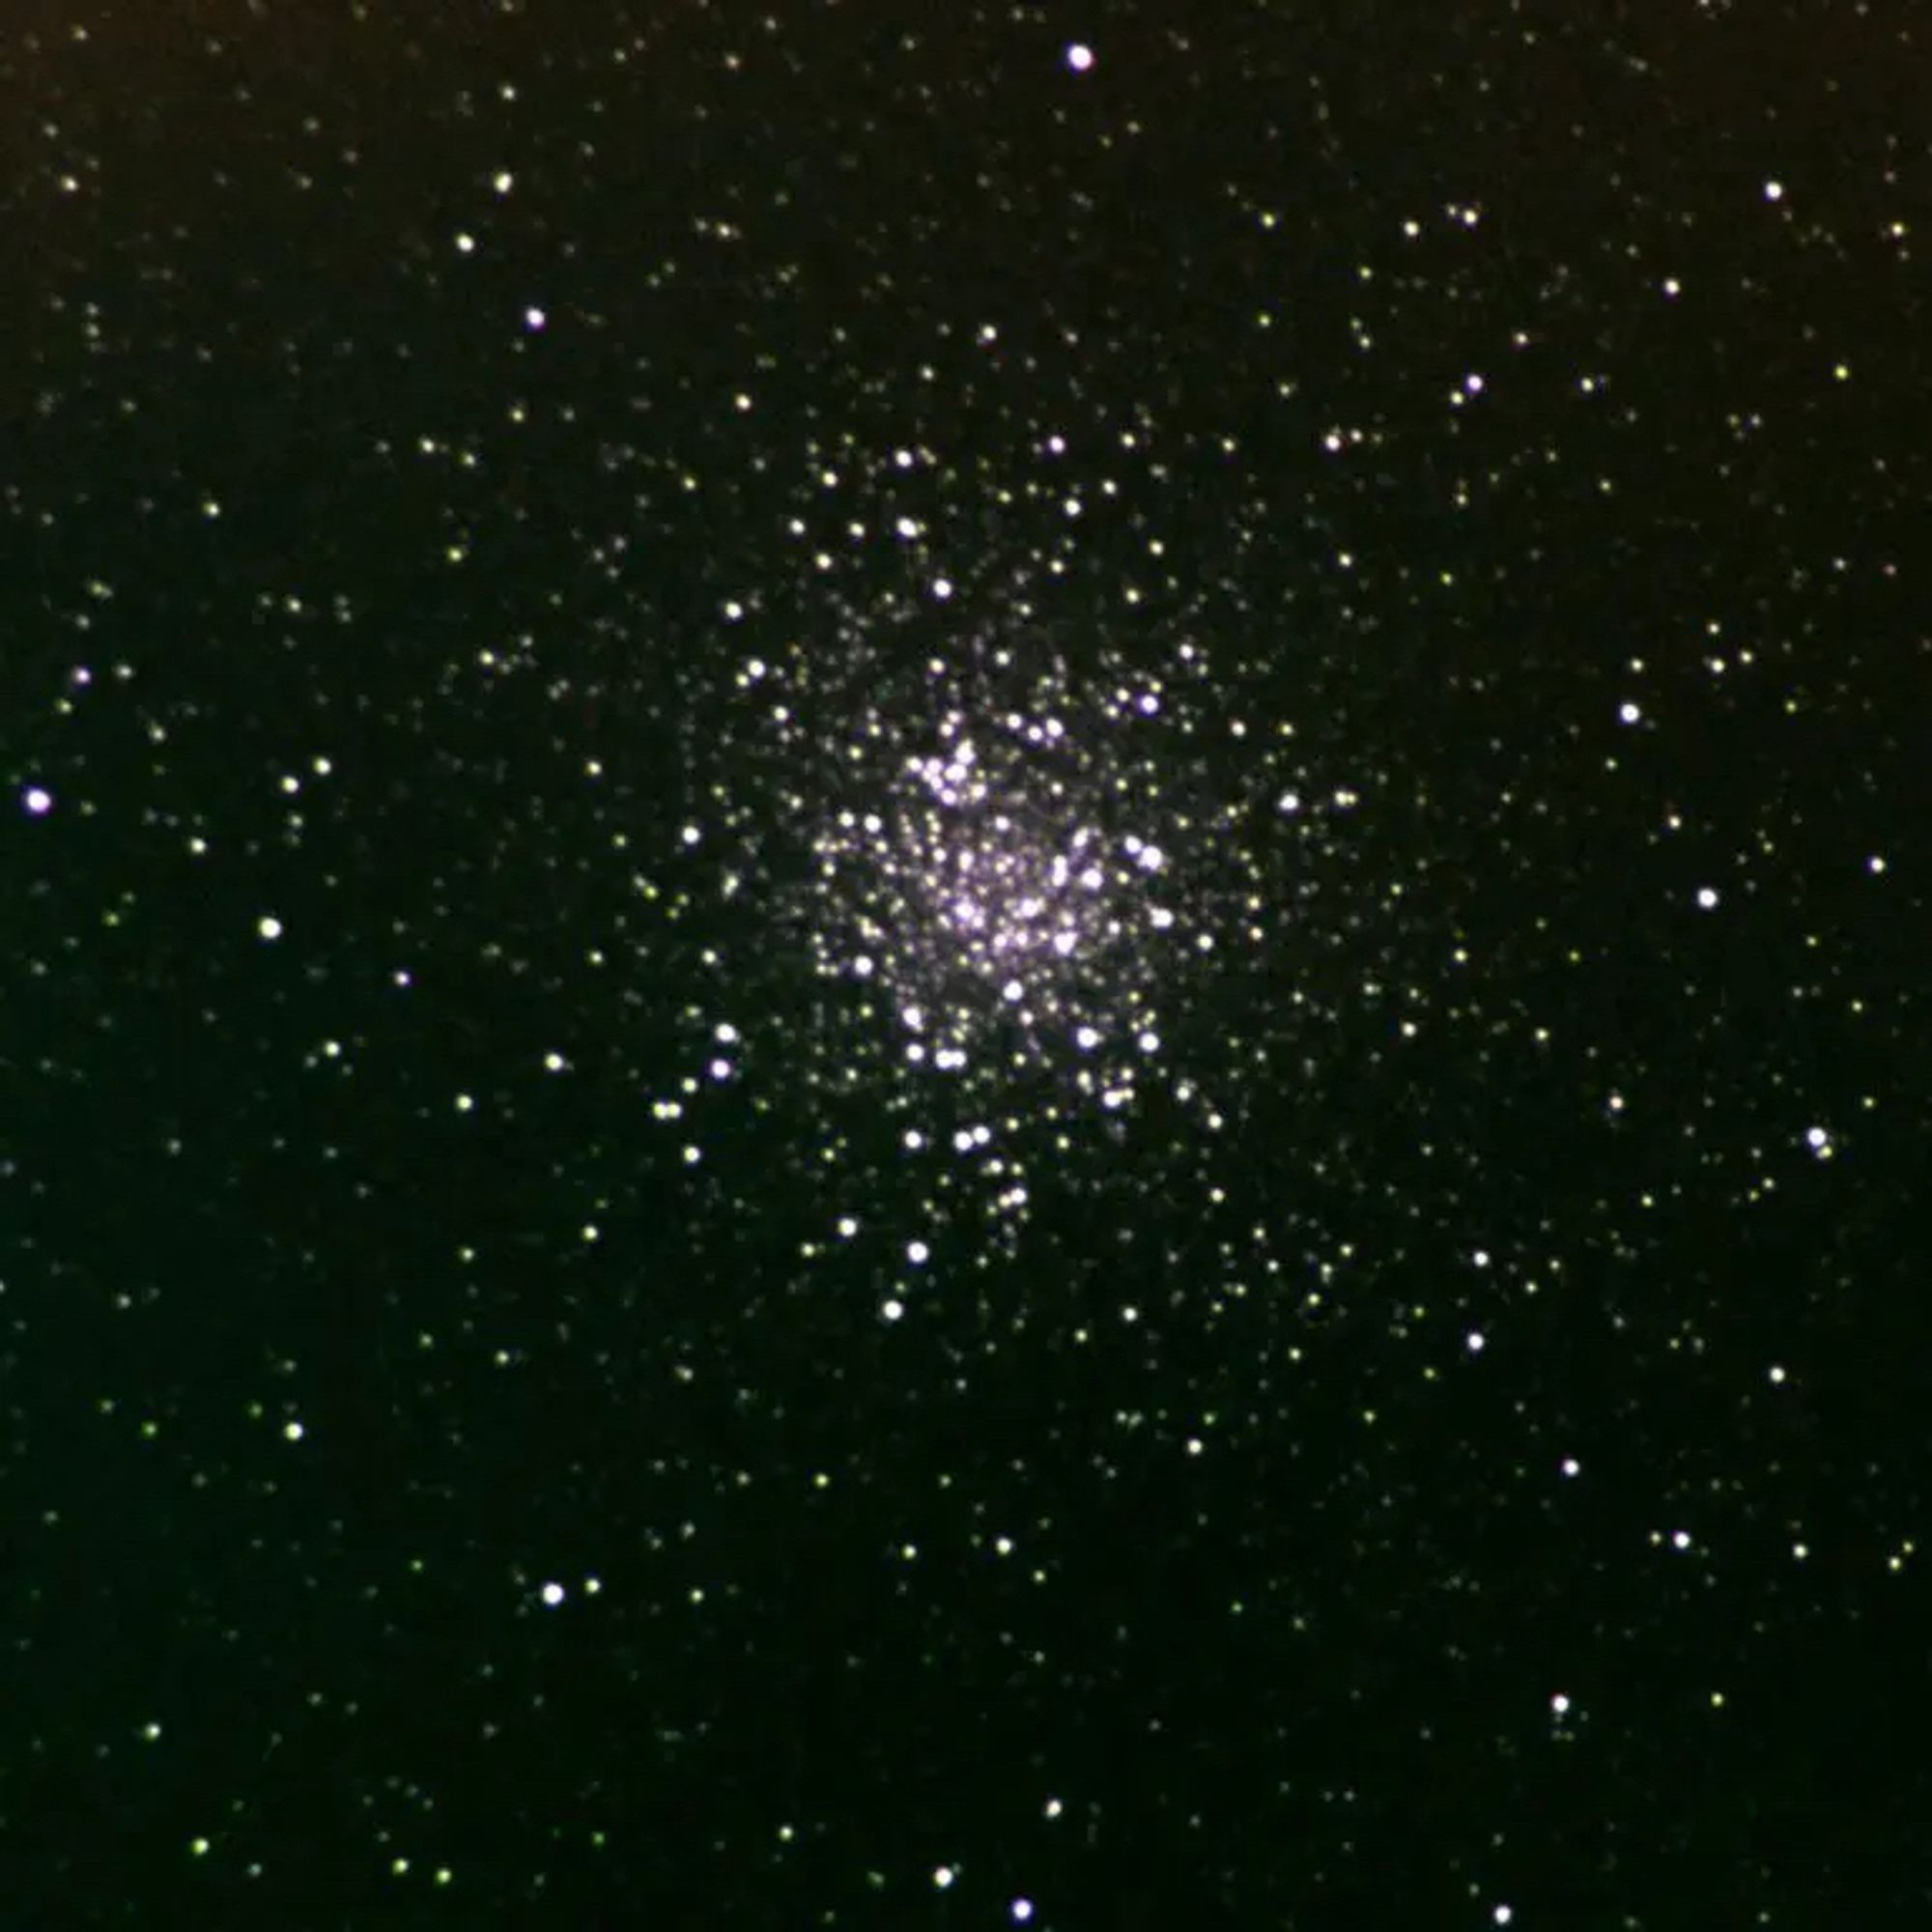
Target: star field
{"x":962,"y":970}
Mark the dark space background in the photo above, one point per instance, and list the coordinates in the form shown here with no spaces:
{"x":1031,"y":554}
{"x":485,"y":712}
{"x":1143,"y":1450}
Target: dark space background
{"x":941,"y":990}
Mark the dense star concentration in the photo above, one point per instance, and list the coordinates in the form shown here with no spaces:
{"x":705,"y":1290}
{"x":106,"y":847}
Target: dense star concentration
{"x":956,"y":980}
{"x":1008,"y":902}
{"x":1001,"y":867}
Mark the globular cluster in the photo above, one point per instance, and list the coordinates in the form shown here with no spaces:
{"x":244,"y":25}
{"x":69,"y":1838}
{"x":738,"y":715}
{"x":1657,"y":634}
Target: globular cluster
{"x":1031,"y":876}
{"x":1005,"y":903}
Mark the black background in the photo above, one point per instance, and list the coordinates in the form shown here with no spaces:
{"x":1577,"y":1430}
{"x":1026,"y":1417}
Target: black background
{"x":312,"y":1378}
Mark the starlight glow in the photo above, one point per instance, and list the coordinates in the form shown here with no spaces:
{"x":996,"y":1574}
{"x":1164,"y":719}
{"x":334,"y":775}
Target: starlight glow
{"x":987,"y":895}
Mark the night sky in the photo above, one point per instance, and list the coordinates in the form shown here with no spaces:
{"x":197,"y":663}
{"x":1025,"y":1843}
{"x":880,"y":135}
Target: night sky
{"x":965,"y":967}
